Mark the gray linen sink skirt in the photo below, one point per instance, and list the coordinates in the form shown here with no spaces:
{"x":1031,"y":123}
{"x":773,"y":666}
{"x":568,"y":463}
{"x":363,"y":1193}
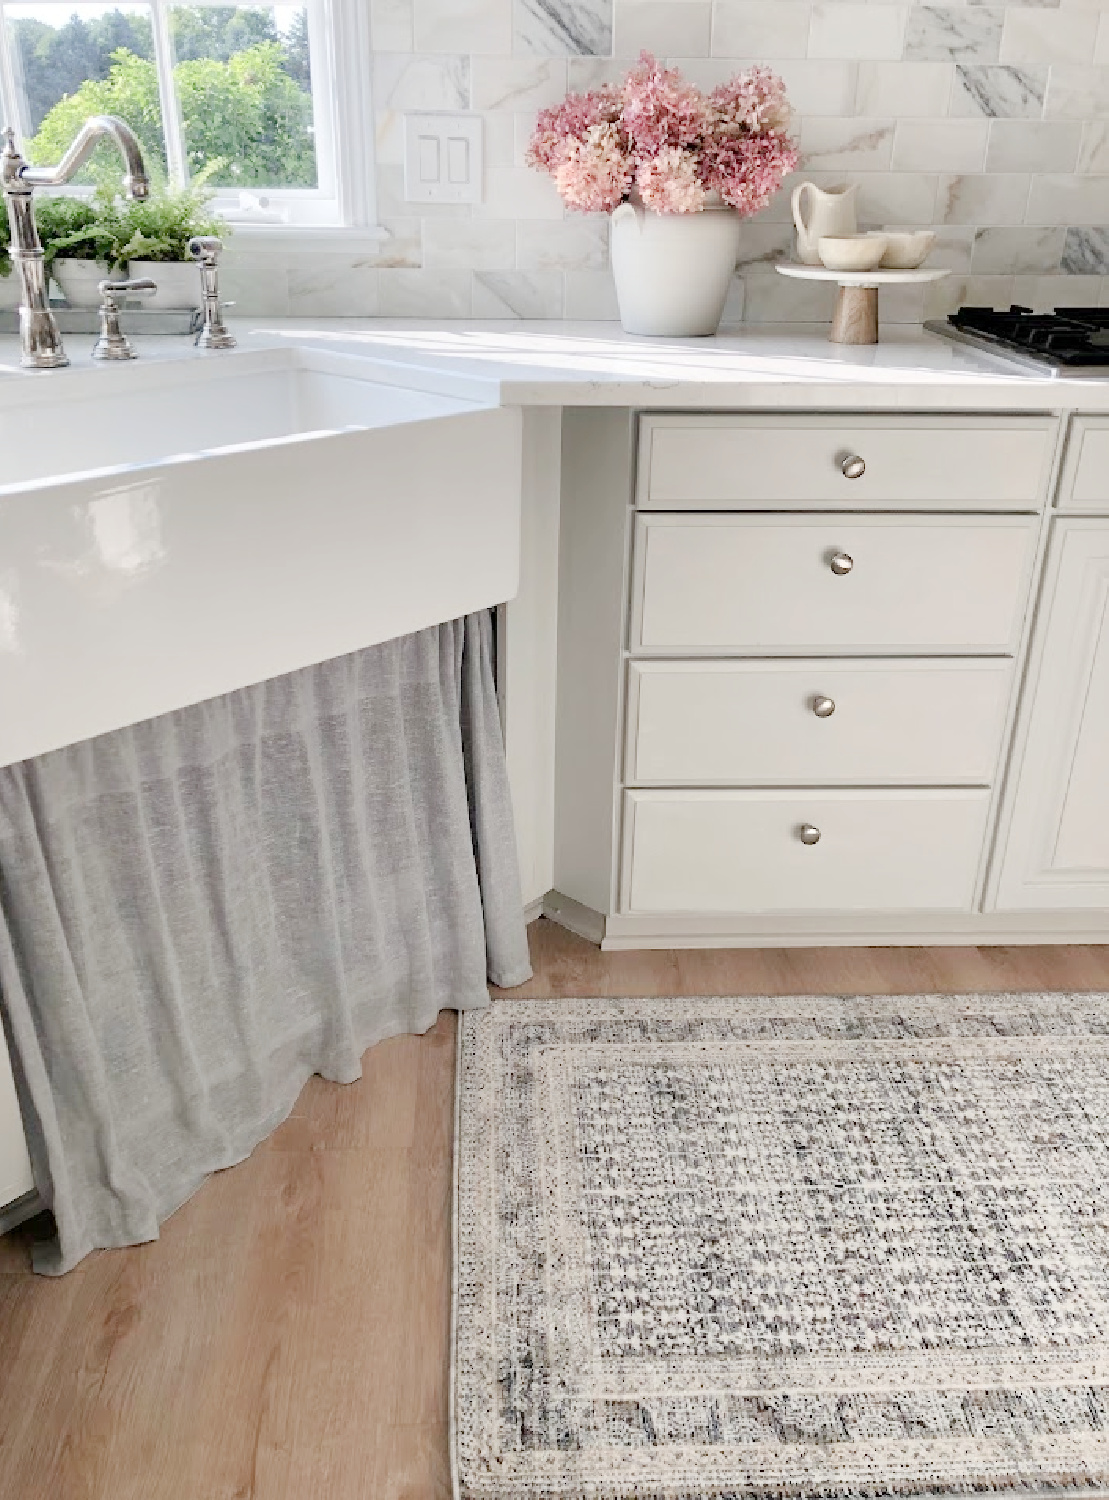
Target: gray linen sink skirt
{"x":200,"y":911}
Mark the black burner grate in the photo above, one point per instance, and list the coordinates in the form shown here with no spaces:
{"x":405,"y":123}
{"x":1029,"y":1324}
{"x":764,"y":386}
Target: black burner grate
{"x":1072,"y":336}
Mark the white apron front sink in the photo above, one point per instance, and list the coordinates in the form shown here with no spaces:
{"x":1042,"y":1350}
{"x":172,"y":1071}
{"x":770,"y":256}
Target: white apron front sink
{"x":173,"y":531}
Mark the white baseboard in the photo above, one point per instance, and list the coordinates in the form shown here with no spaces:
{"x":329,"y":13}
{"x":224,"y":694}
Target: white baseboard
{"x":825,"y":929}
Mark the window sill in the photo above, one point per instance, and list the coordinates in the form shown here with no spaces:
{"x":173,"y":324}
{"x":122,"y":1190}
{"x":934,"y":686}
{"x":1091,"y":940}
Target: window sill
{"x":279,"y":239}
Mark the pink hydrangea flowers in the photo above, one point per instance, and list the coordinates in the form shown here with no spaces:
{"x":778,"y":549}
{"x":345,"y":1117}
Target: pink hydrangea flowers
{"x":657,"y":135}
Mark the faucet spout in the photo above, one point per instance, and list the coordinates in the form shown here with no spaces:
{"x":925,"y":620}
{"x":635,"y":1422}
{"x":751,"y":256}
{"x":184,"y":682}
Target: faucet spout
{"x":136,"y":183}
{"x":41,"y":343}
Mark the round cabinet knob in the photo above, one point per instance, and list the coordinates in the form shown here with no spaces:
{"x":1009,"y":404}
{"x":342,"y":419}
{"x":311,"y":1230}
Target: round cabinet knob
{"x":823,"y":708}
{"x":852,"y":466}
{"x":841,"y":563}
{"x":808,"y":833}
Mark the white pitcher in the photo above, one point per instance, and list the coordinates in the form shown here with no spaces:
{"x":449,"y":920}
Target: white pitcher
{"x":818,"y":213}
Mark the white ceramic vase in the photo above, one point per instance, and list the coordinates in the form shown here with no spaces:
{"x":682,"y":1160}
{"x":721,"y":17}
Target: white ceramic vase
{"x":178,"y":283}
{"x":78,"y":279}
{"x":673,"y":271}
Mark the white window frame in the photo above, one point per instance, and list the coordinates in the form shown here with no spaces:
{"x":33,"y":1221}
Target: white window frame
{"x":342,"y":208}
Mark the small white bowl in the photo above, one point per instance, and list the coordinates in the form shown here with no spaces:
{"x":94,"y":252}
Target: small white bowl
{"x":905,"y":249}
{"x":854,"y":252}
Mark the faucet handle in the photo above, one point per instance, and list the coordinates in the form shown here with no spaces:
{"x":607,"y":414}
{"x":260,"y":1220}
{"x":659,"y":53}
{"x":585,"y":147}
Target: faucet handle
{"x":113,"y":342}
{"x":205,"y":248}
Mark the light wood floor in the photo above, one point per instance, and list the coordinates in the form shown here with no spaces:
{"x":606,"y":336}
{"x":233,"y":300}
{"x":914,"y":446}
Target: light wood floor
{"x":286,"y":1339}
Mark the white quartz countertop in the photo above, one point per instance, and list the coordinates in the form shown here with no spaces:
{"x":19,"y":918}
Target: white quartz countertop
{"x":597,"y":364}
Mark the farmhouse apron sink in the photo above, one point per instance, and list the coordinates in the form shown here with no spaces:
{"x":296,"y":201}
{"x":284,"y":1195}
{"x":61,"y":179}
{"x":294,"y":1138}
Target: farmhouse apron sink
{"x":171,"y":531}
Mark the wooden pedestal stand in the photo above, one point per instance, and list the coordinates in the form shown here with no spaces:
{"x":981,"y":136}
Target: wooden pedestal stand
{"x":855,"y":320}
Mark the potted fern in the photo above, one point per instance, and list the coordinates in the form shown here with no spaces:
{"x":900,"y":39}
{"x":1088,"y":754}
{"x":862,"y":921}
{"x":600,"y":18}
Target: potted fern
{"x":78,"y":242}
{"x":153,"y":237}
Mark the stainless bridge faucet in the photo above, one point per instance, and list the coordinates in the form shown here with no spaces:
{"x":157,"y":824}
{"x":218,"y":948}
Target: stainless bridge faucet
{"x":40,"y":341}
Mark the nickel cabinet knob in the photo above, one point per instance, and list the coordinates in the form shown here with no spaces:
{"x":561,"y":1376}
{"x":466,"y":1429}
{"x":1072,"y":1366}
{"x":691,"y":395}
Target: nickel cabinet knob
{"x":823,"y":707}
{"x":841,"y":563}
{"x":808,"y":833}
{"x":852,"y":466}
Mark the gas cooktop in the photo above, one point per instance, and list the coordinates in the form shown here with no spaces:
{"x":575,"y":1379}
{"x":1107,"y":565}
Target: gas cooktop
{"x":1069,"y":341}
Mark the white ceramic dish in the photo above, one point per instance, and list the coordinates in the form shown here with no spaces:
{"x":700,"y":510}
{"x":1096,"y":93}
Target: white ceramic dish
{"x":906,"y":250}
{"x":854,"y":252}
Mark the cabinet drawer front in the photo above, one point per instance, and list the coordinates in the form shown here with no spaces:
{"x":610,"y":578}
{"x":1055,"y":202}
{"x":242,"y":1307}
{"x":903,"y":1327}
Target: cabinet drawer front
{"x":1085,"y":482}
{"x":755,"y":722}
{"x":742,"y":851}
{"x":745,"y":583}
{"x":736,"y":462}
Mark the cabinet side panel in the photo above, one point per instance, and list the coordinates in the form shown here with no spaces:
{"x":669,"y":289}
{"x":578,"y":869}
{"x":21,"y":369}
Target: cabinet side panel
{"x":597,"y":476}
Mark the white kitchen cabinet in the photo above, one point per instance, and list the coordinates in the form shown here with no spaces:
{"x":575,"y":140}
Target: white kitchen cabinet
{"x":1085,"y":481}
{"x":1055,"y":850}
{"x":15,"y":1165}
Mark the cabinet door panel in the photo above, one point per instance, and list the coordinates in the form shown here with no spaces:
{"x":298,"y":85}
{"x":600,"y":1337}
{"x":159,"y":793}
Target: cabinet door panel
{"x":1056,"y":852}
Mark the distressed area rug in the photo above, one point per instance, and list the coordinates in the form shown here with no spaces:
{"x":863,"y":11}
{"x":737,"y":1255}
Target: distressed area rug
{"x":707,"y":1249}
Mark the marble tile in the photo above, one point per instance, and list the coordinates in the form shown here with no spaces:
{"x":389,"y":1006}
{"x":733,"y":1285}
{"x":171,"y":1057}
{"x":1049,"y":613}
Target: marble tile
{"x":1101,"y":48}
{"x":898,"y":305}
{"x":845,"y":29}
{"x":761,"y":28}
{"x":997,"y":198}
{"x":762,"y":244}
{"x":500,"y":143}
{"x":1000,"y":92}
{"x":1077,"y":93}
{"x":391,"y":25}
{"x":518,"y":294}
{"x":407,"y":81}
{"x":779,"y":210}
{"x":586,"y":73}
{"x":463,"y":25}
{"x":518,"y":193}
{"x":389,"y":137}
{"x":477,"y":244}
{"x":953,"y":33}
{"x":1068,"y":200}
{"x":590,"y":296}
{"x":1013,"y":251}
{"x":904,"y":89}
{"x":668,"y":28}
{"x":324,"y":290}
{"x":1086,"y":252}
{"x":734,"y":305}
{"x":556,"y":28}
{"x":1093,"y":153}
{"x":941,"y":145}
{"x":770,"y":298}
{"x":895,"y":198}
{"x":257,"y":291}
{"x":1033,"y":146}
{"x":578,"y":243}
{"x":952,"y":250}
{"x":943,"y":297}
{"x":1046,"y":36}
{"x":830,"y":143}
{"x":517,"y":83}
{"x":425,"y":294}
{"x":404,"y":247}
{"x":1046,"y":293}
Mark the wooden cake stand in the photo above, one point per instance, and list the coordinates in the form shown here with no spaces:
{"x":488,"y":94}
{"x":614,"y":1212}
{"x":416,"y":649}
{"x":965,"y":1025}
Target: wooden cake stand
{"x":855,"y":320}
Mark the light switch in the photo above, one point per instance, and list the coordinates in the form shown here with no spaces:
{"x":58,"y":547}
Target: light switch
{"x":443,"y":158}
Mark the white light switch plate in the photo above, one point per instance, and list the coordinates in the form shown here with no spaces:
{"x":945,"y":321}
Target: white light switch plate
{"x":442,"y":158}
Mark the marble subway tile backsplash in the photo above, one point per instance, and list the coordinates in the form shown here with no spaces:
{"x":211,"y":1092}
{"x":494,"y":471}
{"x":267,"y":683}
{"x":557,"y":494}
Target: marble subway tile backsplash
{"x":987,"y":120}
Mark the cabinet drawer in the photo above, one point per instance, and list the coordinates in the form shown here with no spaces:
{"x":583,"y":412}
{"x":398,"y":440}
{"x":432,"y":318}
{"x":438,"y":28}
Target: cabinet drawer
{"x":756,"y":722}
{"x":742,"y":851}
{"x":738,"y":462}
{"x":1085,"y":482}
{"x":744,"y":583}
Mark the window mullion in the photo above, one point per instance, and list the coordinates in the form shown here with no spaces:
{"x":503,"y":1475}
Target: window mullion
{"x":9,"y":95}
{"x":167,"y":95}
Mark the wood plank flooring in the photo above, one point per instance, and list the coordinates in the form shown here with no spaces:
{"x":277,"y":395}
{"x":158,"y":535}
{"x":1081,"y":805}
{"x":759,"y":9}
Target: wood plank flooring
{"x":286,"y":1339}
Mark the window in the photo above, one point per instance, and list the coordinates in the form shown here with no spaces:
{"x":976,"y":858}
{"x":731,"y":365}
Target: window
{"x":250,"y":98}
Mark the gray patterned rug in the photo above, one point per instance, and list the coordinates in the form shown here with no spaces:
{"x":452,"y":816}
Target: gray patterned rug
{"x":782,"y":1247}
